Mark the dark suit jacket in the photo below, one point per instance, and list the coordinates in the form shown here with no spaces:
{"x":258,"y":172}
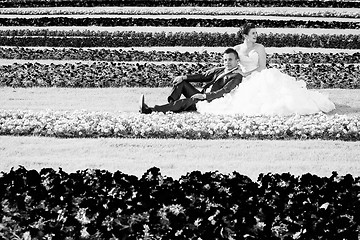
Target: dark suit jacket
{"x":218,"y":87}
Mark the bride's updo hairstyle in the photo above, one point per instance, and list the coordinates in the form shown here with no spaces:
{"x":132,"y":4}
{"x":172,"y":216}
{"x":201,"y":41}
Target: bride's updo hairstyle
{"x":246,"y":28}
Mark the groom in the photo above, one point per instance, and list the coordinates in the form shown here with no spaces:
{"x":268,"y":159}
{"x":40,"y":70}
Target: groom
{"x":219,"y":81}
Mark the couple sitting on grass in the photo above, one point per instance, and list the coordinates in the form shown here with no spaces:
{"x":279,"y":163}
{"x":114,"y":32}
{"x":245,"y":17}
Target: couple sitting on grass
{"x":243,"y":86}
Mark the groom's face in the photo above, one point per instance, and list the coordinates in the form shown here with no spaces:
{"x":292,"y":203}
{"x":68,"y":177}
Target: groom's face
{"x":230,"y":61}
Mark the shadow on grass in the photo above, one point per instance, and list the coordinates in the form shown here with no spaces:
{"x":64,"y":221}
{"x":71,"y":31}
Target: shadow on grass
{"x":345,"y":109}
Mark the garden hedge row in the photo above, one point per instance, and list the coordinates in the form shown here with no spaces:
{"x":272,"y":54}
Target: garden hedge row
{"x":174,"y":22}
{"x":116,"y":74}
{"x":177,"y":3}
{"x":141,"y":39}
{"x":168,"y":56}
{"x":98,"y":204}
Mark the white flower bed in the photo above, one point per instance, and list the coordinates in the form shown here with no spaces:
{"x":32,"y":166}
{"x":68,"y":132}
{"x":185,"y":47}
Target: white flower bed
{"x":185,"y":125}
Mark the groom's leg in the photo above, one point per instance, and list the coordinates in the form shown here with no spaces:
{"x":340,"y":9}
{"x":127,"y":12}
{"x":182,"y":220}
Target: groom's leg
{"x":182,"y":88}
{"x":186,"y":104}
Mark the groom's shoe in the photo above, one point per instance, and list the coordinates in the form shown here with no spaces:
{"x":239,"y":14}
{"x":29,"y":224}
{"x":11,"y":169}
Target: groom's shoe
{"x":143,"y":108}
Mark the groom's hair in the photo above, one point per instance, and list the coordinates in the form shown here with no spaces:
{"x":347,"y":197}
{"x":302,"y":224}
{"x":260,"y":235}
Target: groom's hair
{"x":231,"y":50}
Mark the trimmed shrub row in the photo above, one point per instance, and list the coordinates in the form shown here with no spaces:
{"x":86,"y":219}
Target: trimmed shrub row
{"x":174,"y":22}
{"x":177,"y":3}
{"x":114,"y":74}
{"x":141,"y":39}
{"x":169,"y":56}
{"x":98,"y":204}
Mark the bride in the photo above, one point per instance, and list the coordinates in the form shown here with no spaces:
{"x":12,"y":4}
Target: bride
{"x":265,"y":91}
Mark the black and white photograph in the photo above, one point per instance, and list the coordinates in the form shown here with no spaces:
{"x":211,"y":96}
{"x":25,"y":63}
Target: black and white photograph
{"x":179,"y":119}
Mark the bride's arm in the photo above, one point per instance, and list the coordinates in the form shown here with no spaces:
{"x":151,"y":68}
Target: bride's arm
{"x":262,"y":57}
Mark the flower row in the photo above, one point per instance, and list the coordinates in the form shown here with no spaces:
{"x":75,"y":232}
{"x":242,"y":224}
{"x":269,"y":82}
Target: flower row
{"x":98,"y":204}
{"x":195,"y":39}
{"x":288,"y":12}
{"x":177,"y":3}
{"x":175,"y":22}
{"x":117,"y":74}
{"x":187,"y":125}
{"x":104,"y":54}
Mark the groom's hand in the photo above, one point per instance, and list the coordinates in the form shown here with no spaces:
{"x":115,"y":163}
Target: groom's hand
{"x":199,"y":96}
{"x":179,"y":79}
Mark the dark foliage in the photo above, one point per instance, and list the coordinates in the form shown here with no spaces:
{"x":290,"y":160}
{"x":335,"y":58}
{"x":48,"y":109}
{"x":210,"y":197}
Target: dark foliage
{"x":123,"y":55}
{"x":115,"y":74}
{"x":174,"y":22}
{"x":37,"y":38}
{"x":97,"y":204}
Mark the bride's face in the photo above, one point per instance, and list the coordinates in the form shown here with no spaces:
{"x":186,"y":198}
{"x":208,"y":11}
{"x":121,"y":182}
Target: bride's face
{"x":252,"y":35}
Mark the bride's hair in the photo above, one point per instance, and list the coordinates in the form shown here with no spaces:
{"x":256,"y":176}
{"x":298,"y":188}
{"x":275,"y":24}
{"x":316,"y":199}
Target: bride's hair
{"x":246,"y":28}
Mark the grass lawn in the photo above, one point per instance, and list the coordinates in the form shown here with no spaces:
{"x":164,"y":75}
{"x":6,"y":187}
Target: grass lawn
{"x":175,"y":157}
{"x":126,"y":99}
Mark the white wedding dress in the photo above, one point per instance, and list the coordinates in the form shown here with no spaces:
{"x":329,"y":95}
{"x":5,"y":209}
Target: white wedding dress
{"x":269,"y":92}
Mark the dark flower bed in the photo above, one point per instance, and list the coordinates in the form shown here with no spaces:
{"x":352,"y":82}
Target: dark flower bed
{"x":177,"y":3}
{"x":174,"y":22}
{"x":326,"y":76}
{"x":307,"y":58}
{"x":170,"y":56}
{"x":27,"y":38}
{"x":96,"y":74}
{"x":111,"y":74}
{"x":98,"y":204}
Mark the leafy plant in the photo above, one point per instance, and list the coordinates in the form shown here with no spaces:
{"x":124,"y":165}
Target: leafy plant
{"x":97,"y":204}
{"x":183,"y":22}
{"x":50,"y":38}
{"x":116,"y":74}
{"x":125,"y":55}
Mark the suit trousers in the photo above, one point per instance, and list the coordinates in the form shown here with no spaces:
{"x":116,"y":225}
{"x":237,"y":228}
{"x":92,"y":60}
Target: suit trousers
{"x":184,"y":88}
{"x":175,"y":103}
